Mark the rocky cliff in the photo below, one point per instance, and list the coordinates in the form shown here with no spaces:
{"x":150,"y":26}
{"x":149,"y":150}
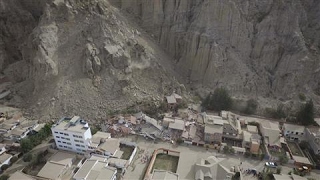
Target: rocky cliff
{"x":79,"y":57}
{"x":267,"y":48}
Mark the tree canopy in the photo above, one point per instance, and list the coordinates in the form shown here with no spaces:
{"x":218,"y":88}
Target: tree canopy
{"x":251,"y":106}
{"x":28,"y":143}
{"x":219,"y":100}
{"x":306,"y":113}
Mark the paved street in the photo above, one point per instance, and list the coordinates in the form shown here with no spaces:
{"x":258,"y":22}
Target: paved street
{"x":137,"y":170}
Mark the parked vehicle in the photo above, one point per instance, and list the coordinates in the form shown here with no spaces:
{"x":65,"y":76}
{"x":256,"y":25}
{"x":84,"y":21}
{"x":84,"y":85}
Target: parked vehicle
{"x":271,"y":164}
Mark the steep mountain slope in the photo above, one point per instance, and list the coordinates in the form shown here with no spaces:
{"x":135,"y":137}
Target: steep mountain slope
{"x":266,"y":48}
{"x":79,"y":57}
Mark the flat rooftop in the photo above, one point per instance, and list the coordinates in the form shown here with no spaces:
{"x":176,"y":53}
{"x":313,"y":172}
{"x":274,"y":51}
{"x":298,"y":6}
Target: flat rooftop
{"x":211,"y":129}
{"x":68,"y":124}
{"x":18,"y":175}
{"x":95,"y":170}
{"x":62,"y":158}
{"x":177,"y":124}
{"x":110,"y":145}
{"x":51,"y":170}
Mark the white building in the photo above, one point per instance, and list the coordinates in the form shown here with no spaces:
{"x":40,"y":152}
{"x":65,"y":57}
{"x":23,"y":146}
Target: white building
{"x":294,"y":132}
{"x":95,"y":170}
{"x":72,"y":134}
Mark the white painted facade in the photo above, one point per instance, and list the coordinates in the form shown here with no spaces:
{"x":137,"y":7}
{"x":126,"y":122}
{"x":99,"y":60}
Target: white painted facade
{"x":72,"y":135}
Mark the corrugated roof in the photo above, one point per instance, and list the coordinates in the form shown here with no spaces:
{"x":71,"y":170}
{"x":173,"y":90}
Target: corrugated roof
{"x":301,"y":159}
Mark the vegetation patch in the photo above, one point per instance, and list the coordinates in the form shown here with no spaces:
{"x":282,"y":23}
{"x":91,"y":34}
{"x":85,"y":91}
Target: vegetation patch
{"x":218,"y":101}
{"x":27,"y":144}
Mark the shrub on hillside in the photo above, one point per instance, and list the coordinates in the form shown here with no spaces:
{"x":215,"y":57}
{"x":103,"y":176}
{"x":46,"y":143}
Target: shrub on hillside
{"x":218,"y":101}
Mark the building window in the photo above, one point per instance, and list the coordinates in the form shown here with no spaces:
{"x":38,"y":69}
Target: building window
{"x":63,"y":142}
{"x":59,"y":141}
{"x":76,"y":140}
{"x":78,"y":145}
{"x":302,"y":133}
{"x":78,"y":149}
{"x":63,"y":138}
{"x":69,"y":143}
{"x":68,"y":139}
{"x":291,"y":132}
{"x":69,"y":147}
{"x":65,"y":146}
{"x":297,"y":133}
{"x":57,"y":136}
{"x":81,"y":141}
{"x":56,"y":132}
{"x":61,"y":133}
{"x":82,"y":146}
{"x":66,"y":134}
{"x":60,"y":146}
{"x":83,"y":150}
{"x":79,"y":136}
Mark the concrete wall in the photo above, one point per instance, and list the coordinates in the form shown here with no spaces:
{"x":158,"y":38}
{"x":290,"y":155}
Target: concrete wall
{"x":71,"y":142}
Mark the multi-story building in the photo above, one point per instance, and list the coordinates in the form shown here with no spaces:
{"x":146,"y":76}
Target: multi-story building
{"x":294,"y":132}
{"x":72,"y":134}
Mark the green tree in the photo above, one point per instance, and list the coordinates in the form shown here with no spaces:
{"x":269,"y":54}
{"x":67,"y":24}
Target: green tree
{"x":279,"y":170}
{"x":226,"y":149}
{"x":283,"y":159}
{"x":231,"y":150}
{"x":13,"y":159}
{"x":275,"y":113}
{"x":251,"y":106}
{"x":4,"y":177}
{"x":27,"y":157}
{"x":26,"y":145}
{"x":306,"y":114}
{"x":219,"y":100}
{"x":4,"y":167}
{"x":179,"y":141}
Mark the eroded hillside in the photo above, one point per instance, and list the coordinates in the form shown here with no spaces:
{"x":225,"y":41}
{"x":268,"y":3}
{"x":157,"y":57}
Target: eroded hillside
{"x":267,"y":48}
{"x":79,"y":57}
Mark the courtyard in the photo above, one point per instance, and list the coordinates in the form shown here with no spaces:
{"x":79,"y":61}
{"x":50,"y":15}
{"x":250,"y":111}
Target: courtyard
{"x":166,"y":162}
{"x":127,"y":151}
{"x":294,"y":148}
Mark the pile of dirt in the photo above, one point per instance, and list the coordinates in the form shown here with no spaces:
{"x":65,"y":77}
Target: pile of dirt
{"x":84,"y":58}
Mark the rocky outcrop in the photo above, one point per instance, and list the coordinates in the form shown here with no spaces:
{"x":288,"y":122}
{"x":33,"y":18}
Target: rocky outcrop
{"x":79,"y":57}
{"x":264,"y":48}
